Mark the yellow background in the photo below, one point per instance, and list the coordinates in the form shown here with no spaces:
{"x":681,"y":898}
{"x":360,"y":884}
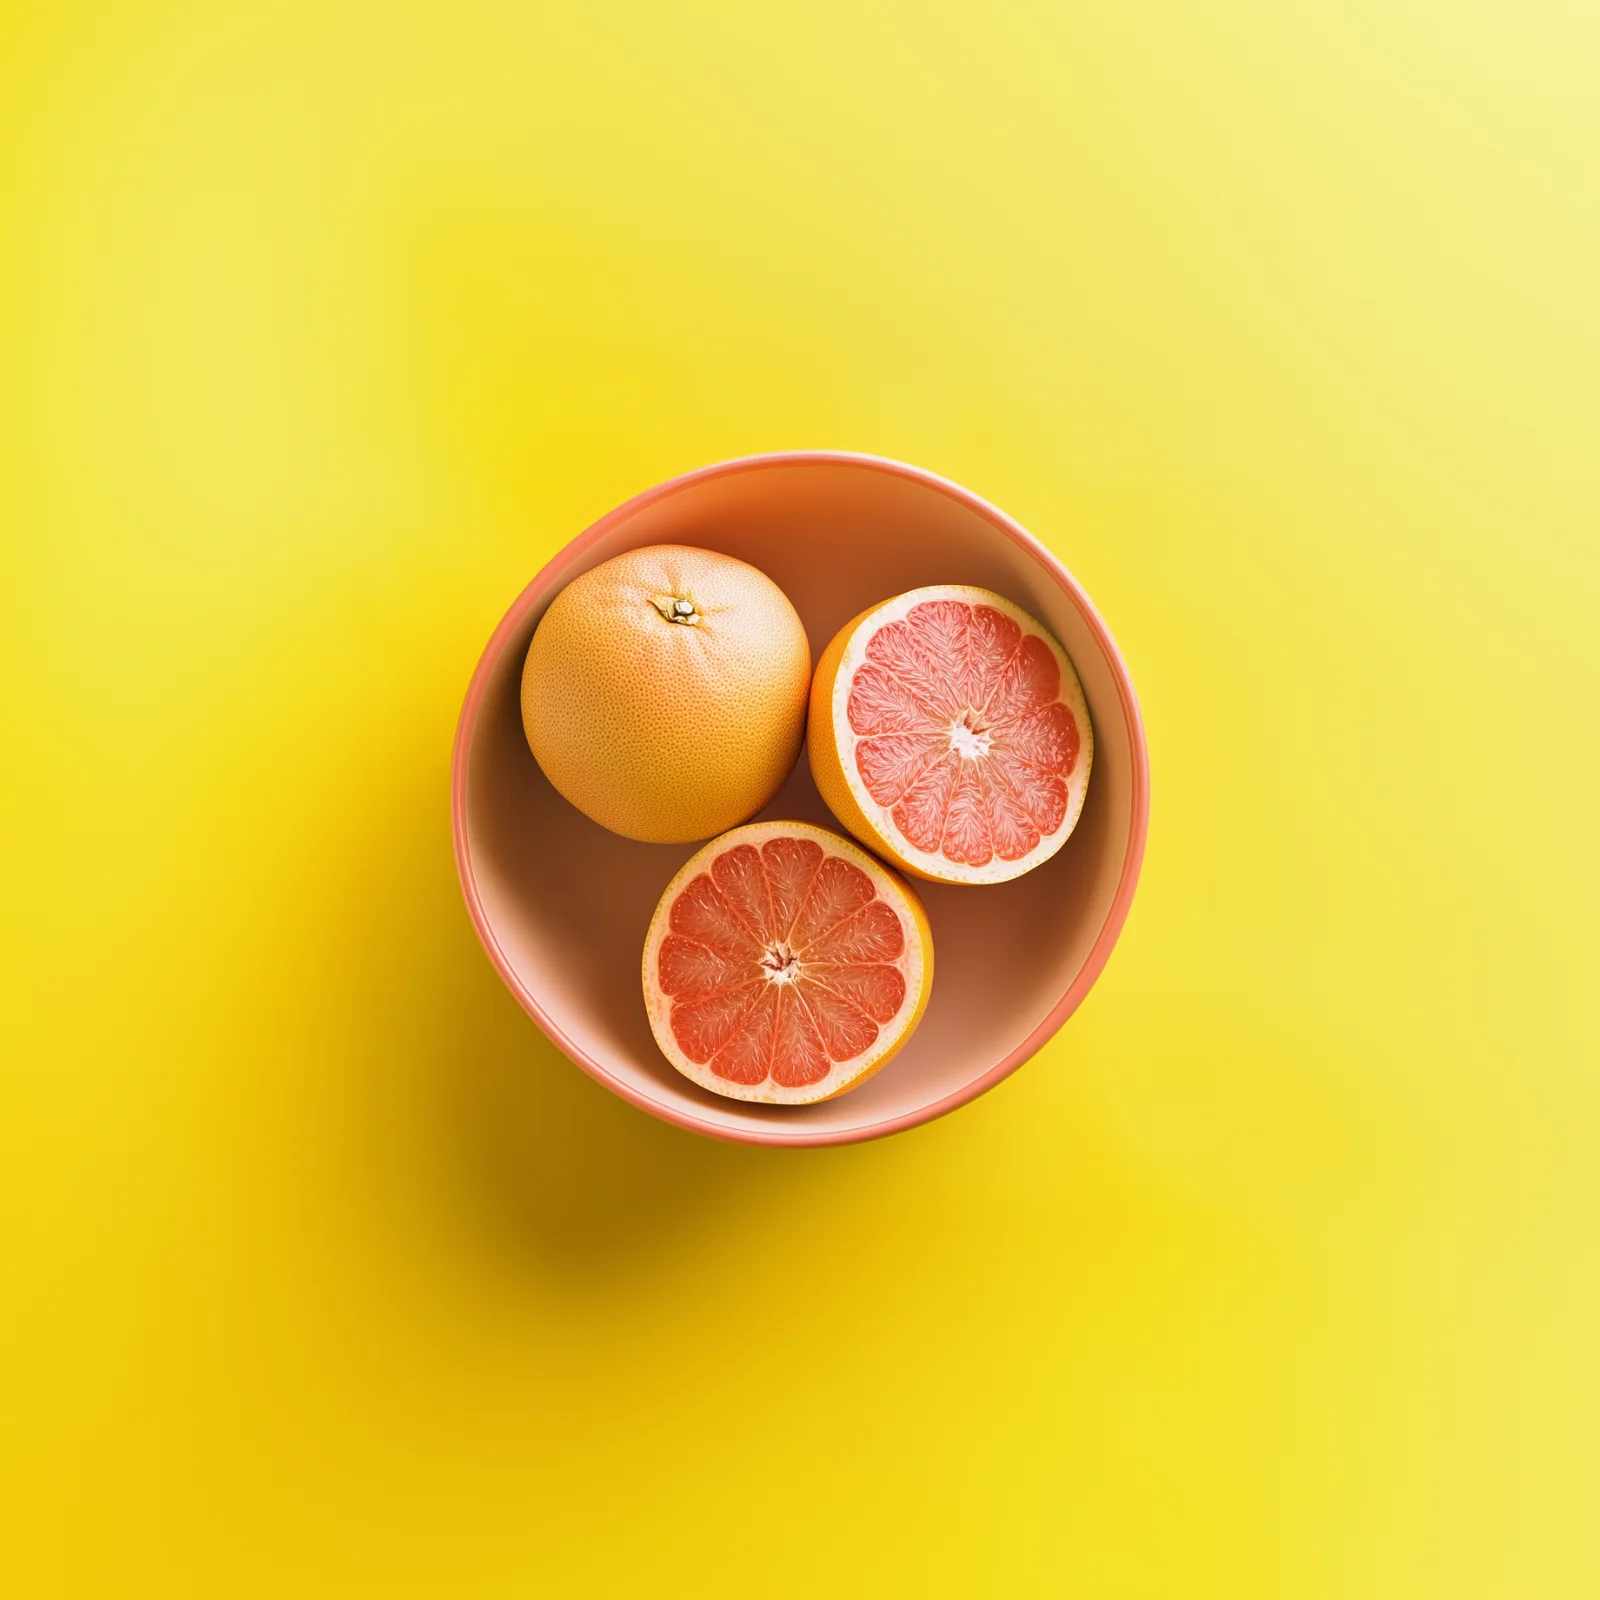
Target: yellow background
{"x":1275,"y":1274}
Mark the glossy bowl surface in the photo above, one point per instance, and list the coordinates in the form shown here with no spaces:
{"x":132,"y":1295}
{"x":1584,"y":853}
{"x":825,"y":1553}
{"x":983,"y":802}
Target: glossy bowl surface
{"x":562,"y":906}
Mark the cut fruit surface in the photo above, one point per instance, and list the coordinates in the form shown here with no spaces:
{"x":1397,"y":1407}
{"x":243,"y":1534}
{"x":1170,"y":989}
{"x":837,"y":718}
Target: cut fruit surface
{"x":785,"y":965}
{"x":949,"y":733}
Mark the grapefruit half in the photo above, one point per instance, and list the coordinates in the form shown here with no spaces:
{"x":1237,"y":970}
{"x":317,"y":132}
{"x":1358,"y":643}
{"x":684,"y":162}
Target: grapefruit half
{"x":785,"y":965}
{"x":949,"y":733}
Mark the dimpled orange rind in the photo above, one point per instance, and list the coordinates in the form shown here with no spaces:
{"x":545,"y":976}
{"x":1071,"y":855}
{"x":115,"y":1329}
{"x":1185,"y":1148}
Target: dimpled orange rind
{"x":668,"y":730}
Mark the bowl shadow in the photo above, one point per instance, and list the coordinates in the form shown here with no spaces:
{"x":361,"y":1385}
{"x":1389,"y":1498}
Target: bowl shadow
{"x":471,"y":1114}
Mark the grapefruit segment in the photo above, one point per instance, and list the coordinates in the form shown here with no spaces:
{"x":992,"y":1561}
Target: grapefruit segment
{"x":708,"y":1020}
{"x":874,"y":990}
{"x":784,"y":964}
{"x":949,"y":733}
{"x":892,"y":764}
{"x":838,"y":893}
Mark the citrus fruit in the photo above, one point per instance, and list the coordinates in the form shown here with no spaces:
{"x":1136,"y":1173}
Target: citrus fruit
{"x":949,"y":734}
{"x":785,"y":965}
{"x":664,"y":692}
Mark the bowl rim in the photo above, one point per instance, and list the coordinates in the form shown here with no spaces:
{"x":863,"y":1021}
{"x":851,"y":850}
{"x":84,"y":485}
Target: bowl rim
{"x":1100,"y":952}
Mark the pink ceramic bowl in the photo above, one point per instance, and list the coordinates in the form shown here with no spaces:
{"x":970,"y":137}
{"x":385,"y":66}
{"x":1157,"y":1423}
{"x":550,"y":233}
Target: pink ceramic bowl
{"x":562,"y":906}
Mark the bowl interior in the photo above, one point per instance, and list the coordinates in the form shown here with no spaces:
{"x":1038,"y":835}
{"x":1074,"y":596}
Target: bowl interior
{"x":565,"y":905}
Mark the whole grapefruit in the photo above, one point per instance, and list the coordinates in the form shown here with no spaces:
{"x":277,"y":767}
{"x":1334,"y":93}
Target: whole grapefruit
{"x":664,"y":693}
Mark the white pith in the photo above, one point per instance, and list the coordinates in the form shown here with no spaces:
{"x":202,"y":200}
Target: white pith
{"x":844,"y":1073}
{"x":963,"y":739}
{"x":969,"y":743}
{"x":781,"y":964}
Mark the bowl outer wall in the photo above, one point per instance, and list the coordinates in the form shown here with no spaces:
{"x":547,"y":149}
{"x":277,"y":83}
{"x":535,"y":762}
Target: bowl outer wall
{"x":543,"y":586}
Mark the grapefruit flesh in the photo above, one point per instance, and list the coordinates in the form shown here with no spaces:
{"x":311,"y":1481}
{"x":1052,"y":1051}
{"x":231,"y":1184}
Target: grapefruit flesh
{"x":785,"y":965}
{"x":949,"y":733}
{"x":664,"y":692}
